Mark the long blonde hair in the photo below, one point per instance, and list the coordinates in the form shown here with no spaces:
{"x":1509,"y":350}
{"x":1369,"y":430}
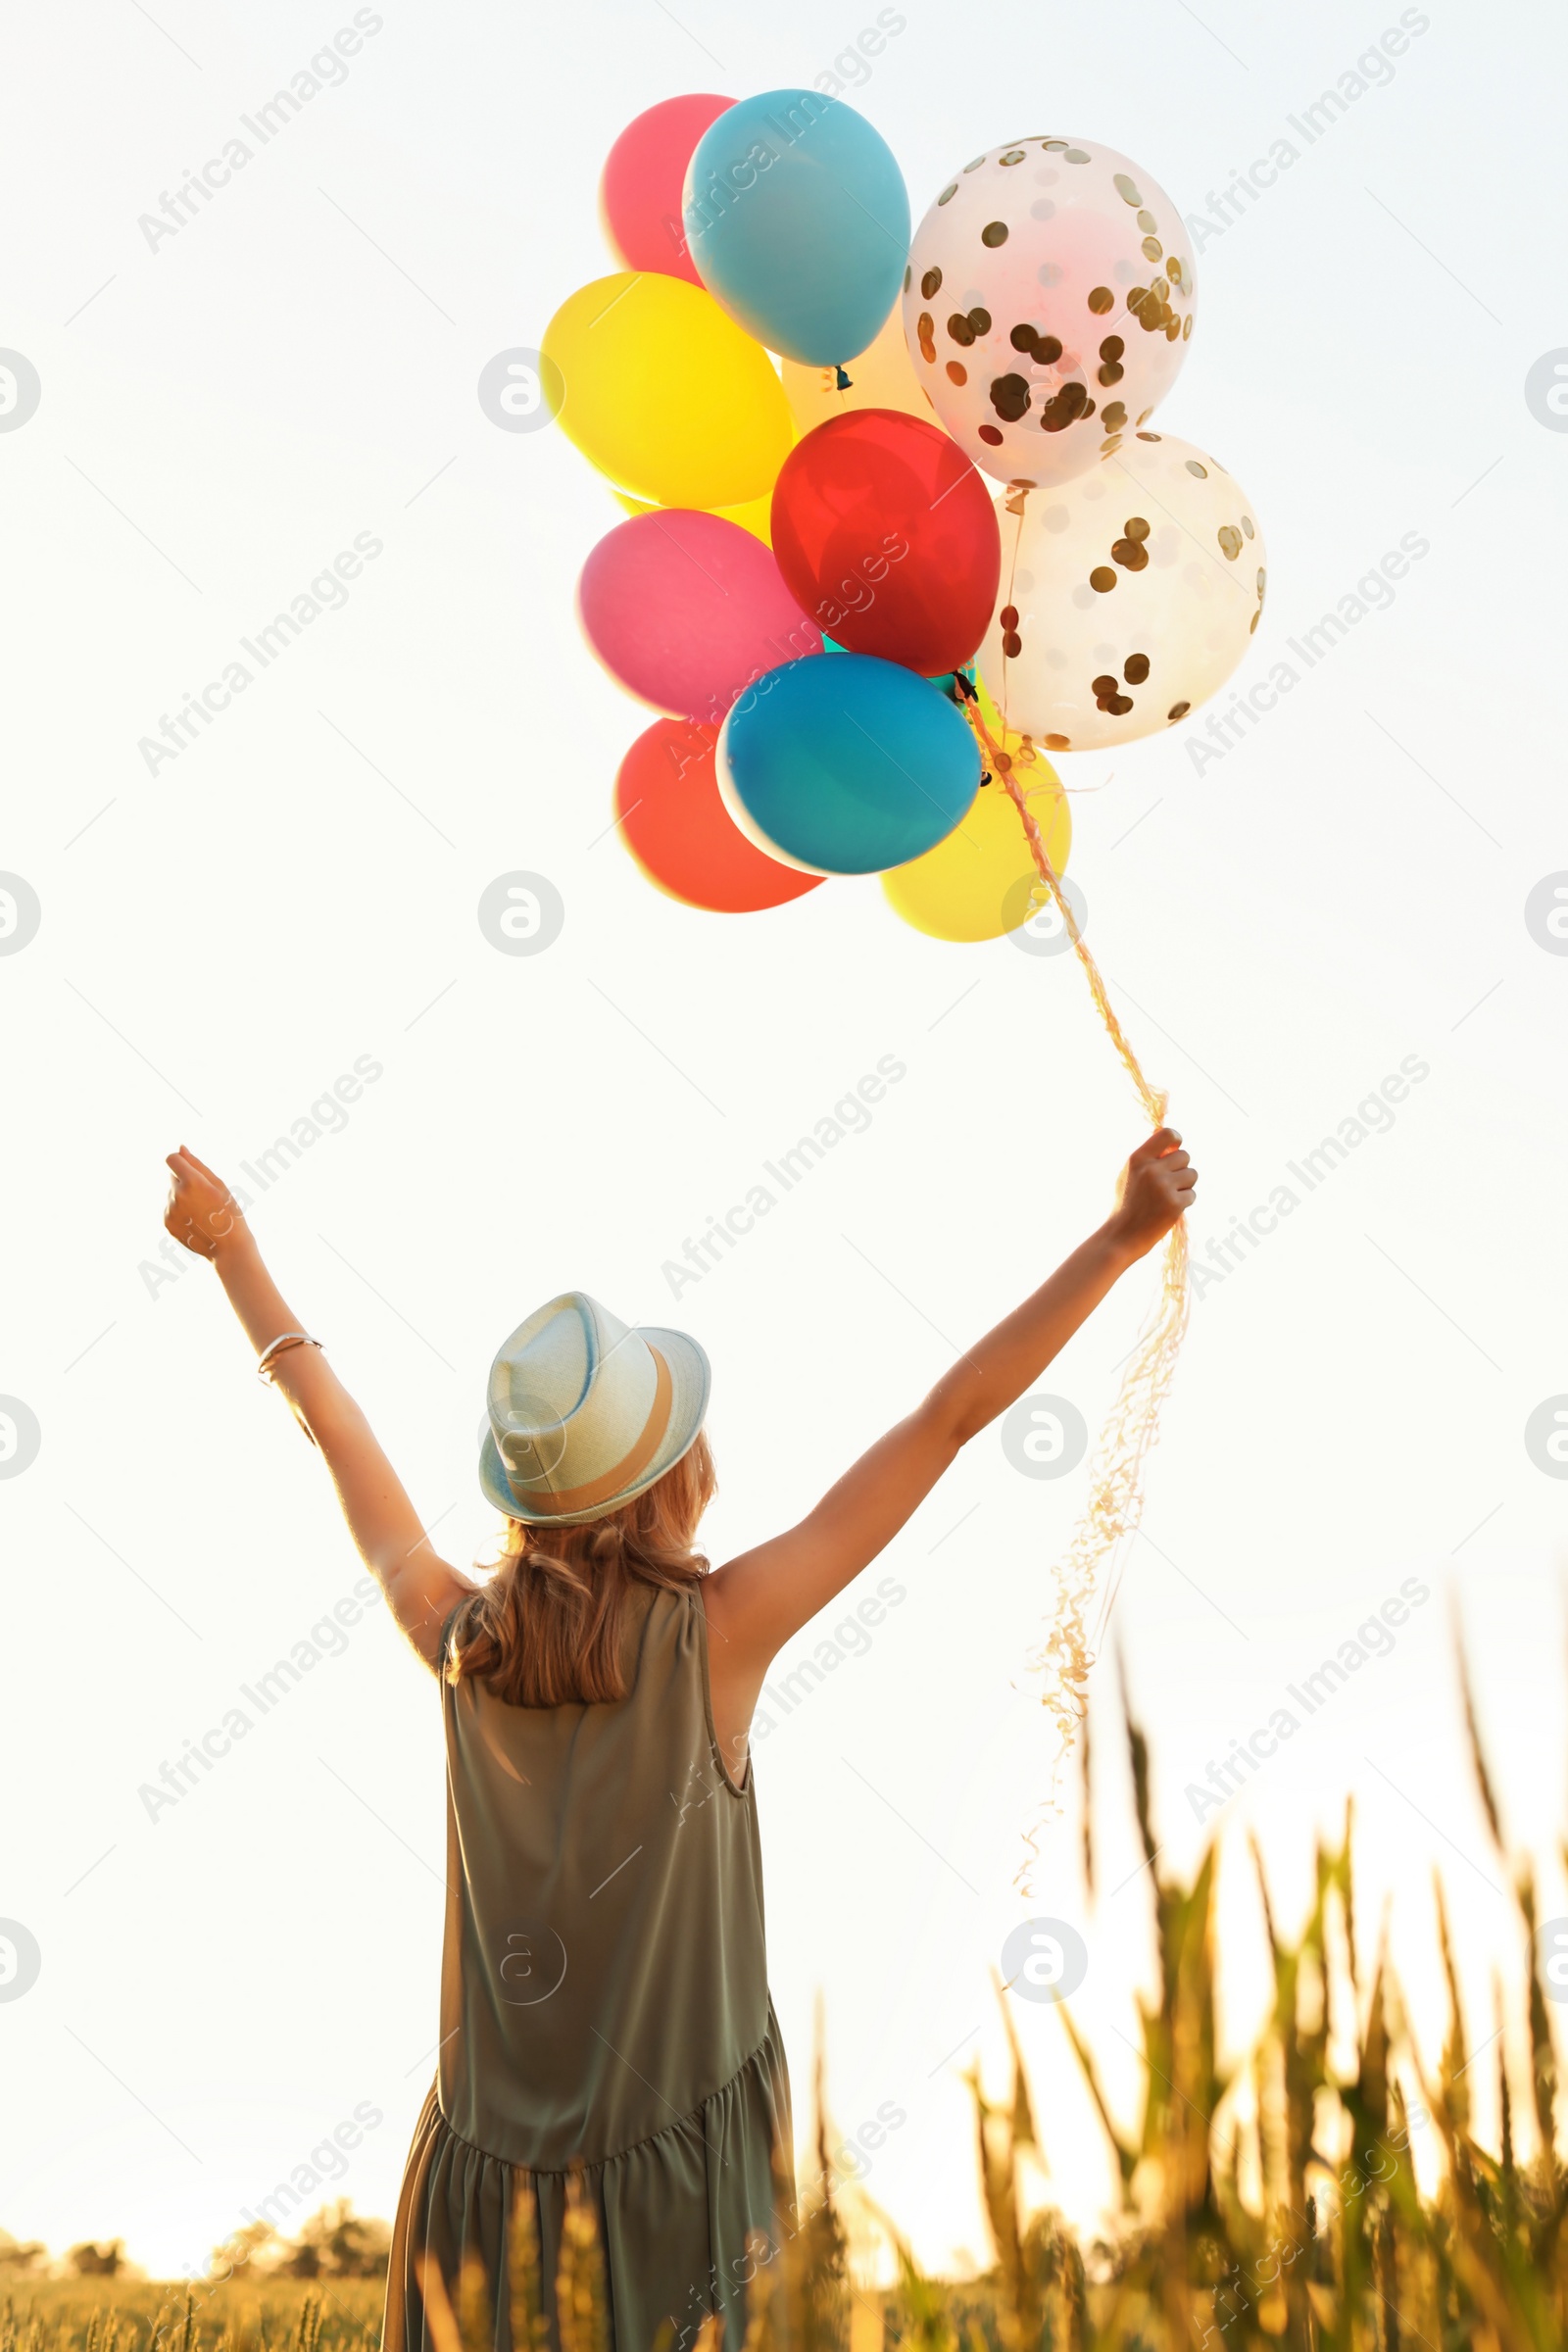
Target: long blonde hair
{"x":551,"y":1625}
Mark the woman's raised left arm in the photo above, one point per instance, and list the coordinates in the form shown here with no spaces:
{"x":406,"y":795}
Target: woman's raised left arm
{"x":420,"y":1588}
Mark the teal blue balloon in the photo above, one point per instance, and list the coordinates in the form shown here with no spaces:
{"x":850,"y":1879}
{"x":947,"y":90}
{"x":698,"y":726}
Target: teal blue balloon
{"x":798,"y":222}
{"x":846,"y":767}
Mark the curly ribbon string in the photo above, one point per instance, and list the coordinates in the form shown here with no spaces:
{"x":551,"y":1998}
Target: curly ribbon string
{"x":1115,"y":1501}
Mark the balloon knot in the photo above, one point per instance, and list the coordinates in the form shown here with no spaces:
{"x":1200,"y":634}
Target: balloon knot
{"x":841,"y":380}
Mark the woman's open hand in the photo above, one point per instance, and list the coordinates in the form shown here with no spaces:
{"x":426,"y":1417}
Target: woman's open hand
{"x":1158,"y":1184}
{"x":202,"y":1212}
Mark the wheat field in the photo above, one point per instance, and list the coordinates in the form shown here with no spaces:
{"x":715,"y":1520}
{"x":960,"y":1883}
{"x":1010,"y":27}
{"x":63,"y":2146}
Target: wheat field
{"x":1269,"y":2203}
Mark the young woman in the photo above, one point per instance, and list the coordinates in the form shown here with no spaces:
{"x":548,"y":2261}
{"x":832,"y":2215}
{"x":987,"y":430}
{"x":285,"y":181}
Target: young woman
{"x":605,"y":2012}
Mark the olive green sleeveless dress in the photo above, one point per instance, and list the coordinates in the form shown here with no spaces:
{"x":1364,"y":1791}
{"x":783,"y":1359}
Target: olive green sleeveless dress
{"x":604,"y":2002}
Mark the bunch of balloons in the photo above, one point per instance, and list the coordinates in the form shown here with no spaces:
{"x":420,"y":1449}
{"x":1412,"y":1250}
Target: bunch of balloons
{"x":863,"y":646}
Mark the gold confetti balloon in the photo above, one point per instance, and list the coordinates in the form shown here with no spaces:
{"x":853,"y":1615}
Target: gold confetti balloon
{"x":1046,"y":306}
{"x":1127,"y":599}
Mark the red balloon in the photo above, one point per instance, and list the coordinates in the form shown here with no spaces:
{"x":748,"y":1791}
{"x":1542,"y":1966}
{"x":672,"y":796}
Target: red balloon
{"x":645,"y":171}
{"x":887,"y":536}
{"x":670,"y":816}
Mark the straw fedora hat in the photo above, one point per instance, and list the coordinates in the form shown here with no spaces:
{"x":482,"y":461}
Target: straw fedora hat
{"x":585,"y":1413}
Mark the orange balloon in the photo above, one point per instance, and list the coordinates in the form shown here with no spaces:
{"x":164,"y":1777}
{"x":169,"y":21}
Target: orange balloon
{"x":669,"y":814}
{"x":882,"y":378}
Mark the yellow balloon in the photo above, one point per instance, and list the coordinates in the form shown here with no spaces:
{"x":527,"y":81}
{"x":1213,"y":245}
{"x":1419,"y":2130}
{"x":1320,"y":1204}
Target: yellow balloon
{"x":882,"y":378}
{"x":665,"y":394}
{"x":976,"y":884}
{"x":754,"y":517}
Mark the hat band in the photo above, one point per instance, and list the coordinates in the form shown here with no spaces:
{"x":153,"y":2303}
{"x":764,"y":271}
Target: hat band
{"x":630,"y":1466}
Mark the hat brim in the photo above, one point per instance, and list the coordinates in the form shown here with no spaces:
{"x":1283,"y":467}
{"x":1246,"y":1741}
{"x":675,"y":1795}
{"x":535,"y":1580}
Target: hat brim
{"x":690,"y":1376}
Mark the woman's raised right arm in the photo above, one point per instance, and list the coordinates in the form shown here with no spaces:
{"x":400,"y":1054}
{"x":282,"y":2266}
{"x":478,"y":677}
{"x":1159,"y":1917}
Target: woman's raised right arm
{"x":760,"y":1600}
{"x":420,"y":1588}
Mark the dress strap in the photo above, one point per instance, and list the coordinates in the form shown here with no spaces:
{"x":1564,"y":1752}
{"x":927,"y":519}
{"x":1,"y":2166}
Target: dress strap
{"x":447,"y":1624}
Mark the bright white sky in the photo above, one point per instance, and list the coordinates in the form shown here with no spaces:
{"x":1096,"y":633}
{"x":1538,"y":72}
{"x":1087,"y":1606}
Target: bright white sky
{"x":1344,"y":890}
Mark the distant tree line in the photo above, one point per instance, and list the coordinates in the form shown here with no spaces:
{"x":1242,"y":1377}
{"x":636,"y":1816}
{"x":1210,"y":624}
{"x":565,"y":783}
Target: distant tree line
{"x":335,"y":2243}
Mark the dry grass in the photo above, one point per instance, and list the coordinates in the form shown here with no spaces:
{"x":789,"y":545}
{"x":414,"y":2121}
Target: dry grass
{"x":142,"y":2315}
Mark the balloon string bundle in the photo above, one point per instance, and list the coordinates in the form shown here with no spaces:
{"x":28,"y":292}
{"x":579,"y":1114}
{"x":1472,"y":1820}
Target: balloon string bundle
{"x":1116,"y":1473}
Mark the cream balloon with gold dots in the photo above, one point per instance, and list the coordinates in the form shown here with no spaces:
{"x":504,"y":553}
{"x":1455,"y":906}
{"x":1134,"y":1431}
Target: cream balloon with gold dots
{"x":1047,"y":305}
{"x":1127,"y":595}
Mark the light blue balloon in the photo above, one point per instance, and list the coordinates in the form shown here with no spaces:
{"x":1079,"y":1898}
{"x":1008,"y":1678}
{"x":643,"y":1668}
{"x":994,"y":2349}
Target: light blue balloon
{"x":846,"y":767}
{"x":797,"y":221}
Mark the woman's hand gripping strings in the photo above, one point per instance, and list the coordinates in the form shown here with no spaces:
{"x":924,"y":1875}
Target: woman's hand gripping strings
{"x":204,"y":1217}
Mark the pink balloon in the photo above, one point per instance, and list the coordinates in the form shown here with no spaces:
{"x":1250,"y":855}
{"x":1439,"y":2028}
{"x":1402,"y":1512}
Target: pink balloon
{"x":640,"y":191}
{"x":686,"y":609}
